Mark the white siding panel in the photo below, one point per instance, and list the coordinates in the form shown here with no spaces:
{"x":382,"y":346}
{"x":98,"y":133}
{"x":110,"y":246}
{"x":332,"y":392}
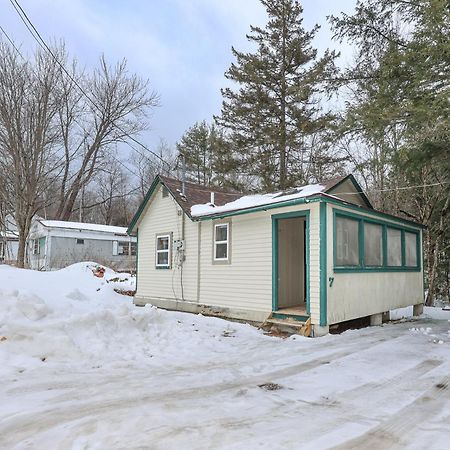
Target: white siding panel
{"x":245,"y":283}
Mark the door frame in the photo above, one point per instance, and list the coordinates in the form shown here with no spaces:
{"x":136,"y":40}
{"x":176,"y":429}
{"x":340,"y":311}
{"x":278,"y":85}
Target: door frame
{"x":275,"y":219}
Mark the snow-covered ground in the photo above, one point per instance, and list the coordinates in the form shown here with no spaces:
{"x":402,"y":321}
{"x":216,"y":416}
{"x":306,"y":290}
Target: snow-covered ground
{"x":82,"y":368}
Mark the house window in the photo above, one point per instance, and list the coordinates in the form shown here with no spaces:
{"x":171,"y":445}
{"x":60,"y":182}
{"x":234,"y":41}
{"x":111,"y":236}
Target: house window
{"x":394,"y":247}
{"x":347,"y":244}
{"x":373,"y":244}
{"x":2,"y":250}
{"x":80,"y":241}
{"x":221,"y":241}
{"x":411,"y":249}
{"x":163,"y":251}
{"x":36,"y":247}
{"x":127,"y":248}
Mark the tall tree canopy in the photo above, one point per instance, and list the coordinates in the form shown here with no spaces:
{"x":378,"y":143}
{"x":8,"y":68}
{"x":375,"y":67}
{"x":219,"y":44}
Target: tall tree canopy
{"x":274,"y":107}
{"x":398,"y":110}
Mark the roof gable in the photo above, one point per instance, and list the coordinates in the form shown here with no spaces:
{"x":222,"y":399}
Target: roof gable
{"x":194,"y":194}
{"x":348,"y":189}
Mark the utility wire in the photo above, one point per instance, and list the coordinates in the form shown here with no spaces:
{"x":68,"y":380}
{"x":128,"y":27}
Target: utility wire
{"x":39,"y":39}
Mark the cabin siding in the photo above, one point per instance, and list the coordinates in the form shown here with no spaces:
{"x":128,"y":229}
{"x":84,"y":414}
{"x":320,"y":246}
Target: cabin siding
{"x":245,"y":284}
{"x":162,"y":216}
{"x":355,"y":294}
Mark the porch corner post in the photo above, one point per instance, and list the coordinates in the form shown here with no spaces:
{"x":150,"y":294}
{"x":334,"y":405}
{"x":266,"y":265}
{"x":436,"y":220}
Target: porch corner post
{"x":274,"y":264}
{"x":323,"y":263}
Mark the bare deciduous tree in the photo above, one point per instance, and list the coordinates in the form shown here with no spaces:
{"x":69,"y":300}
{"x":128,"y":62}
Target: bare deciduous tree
{"x":29,"y":159}
{"x":114,"y":109}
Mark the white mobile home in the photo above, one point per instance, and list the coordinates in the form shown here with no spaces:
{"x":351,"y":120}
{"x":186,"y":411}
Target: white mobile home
{"x":54,"y":244}
{"x":319,"y":252}
{"x":9,"y":240}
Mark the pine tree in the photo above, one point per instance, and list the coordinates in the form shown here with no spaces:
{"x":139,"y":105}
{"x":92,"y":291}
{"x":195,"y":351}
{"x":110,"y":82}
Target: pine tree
{"x":275,"y":109}
{"x":400,"y":85}
{"x":208,"y":156}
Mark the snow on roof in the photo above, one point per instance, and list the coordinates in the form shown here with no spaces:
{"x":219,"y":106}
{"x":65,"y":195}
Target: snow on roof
{"x":250,"y":201}
{"x":84,"y":226}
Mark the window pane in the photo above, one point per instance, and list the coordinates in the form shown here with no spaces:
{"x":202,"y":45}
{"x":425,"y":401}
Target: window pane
{"x":411,"y":249}
{"x":133,"y":248}
{"x":162,"y":259}
{"x":394,"y":247}
{"x":347,"y":244}
{"x":221,"y":232}
{"x":373,"y":244}
{"x":163,"y":243}
{"x":221,"y":251}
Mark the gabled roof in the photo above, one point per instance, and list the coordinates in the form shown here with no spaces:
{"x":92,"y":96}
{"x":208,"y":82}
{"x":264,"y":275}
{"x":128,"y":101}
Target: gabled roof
{"x":83,"y":226}
{"x":196,"y":194}
{"x":196,"y":201}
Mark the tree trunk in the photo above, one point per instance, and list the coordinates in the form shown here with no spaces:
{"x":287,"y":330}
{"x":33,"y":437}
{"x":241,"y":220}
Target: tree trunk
{"x":21,"y":249}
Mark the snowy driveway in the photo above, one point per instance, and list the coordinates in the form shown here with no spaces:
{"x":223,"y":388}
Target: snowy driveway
{"x":151,"y":379}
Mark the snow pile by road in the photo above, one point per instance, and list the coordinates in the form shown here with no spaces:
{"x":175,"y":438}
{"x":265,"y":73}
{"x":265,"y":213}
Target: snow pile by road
{"x":73,"y":318}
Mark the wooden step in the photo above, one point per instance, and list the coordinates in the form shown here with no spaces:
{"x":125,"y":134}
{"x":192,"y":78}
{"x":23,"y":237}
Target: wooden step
{"x":289,"y":325}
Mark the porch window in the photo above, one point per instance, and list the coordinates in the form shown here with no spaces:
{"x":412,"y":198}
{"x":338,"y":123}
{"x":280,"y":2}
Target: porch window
{"x":373,"y":244}
{"x":411,"y":249}
{"x":221,"y":241}
{"x":394,"y":246}
{"x":363,"y":244}
{"x":347,"y":244}
{"x":163,"y":251}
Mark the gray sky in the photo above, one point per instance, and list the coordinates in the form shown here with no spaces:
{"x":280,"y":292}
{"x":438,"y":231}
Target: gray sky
{"x":182,"y":46}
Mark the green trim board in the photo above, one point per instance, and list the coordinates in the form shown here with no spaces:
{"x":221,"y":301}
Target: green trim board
{"x":299,"y":318}
{"x":323,"y":263}
{"x":275,"y":219}
{"x":384,"y":267}
{"x":137,"y":258}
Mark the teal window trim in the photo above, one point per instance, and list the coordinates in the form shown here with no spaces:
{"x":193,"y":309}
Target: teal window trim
{"x":275,"y":219}
{"x":384,"y":267}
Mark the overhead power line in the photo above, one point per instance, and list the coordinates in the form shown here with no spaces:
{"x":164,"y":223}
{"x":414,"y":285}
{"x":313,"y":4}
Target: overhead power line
{"x":75,"y":120}
{"x":40,"y":40}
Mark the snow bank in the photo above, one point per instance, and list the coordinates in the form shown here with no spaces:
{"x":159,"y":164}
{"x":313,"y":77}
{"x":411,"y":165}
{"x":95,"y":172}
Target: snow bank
{"x":70,"y":317}
{"x":250,"y":201}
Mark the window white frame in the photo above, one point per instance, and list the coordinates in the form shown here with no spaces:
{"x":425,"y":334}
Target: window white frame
{"x":36,"y":247}
{"x":222,"y":242}
{"x":167,"y":250}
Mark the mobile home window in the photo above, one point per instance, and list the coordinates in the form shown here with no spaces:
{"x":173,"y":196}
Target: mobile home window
{"x":347,"y":243}
{"x":373,"y":244}
{"x":80,"y":241}
{"x":163,"y":250}
{"x":36,"y":247}
{"x":221,"y":241}
{"x":410,"y":249}
{"x":394,"y":247}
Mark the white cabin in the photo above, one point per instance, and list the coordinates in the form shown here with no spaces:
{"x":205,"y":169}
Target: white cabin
{"x":317,"y":253}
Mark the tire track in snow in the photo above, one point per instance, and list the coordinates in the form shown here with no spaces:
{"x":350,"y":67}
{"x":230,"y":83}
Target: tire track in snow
{"x":21,"y":426}
{"x":395,"y":432}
